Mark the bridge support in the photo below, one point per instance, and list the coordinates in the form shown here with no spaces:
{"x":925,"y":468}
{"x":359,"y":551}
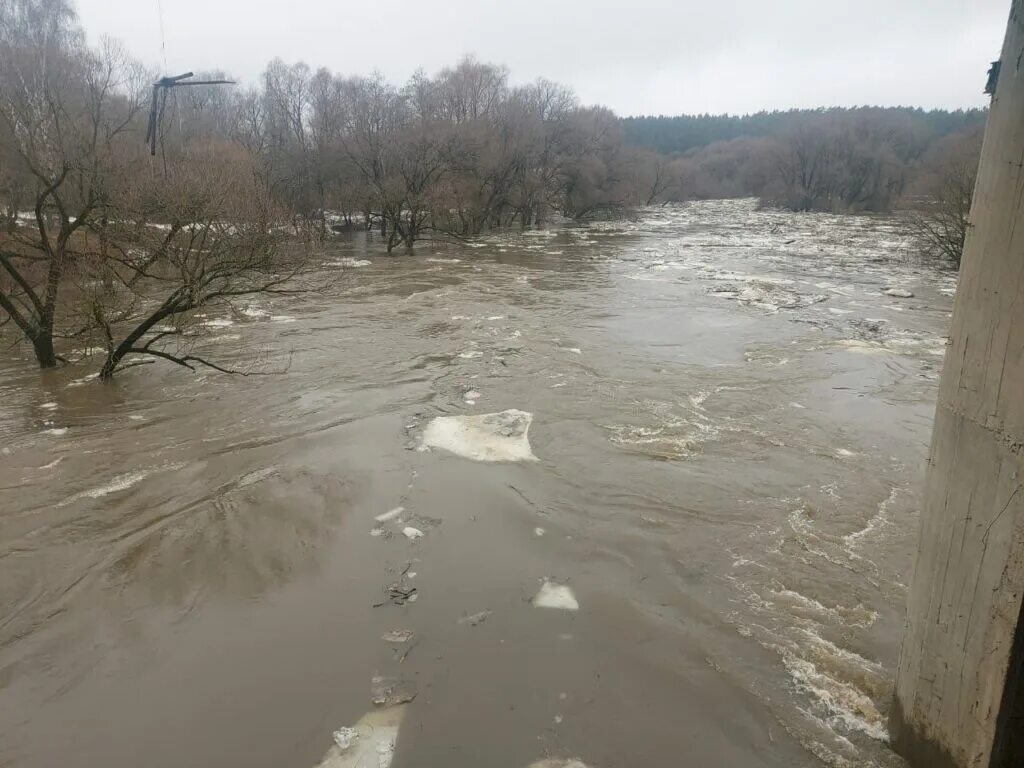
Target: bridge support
{"x":959,"y":700}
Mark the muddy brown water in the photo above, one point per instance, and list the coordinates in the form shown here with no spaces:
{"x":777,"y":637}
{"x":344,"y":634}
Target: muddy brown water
{"x":730,"y":419}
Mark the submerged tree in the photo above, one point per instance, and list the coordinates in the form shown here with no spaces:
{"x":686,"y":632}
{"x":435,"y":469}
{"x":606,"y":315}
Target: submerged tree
{"x":204,"y":236}
{"x":65,"y":112}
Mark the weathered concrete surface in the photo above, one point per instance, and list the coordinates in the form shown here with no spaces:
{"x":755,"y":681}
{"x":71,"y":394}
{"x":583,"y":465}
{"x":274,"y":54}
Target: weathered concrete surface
{"x":958,"y":692}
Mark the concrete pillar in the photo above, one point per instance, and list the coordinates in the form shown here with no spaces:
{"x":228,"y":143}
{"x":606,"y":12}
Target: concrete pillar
{"x":959,"y":695}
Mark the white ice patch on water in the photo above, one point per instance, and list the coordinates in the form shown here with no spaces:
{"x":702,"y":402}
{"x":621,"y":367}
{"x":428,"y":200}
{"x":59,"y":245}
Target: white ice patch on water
{"x":558,"y":596}
{"x":83,"y":380}
{"x":56,"y":431}
{"x":370,"y":743}
{"x":412,"y":533}
{"x":500,"y":436}
{"x":391,"y":514}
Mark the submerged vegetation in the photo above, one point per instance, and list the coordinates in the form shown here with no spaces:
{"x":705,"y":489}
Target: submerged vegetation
{"x":103,"y":244}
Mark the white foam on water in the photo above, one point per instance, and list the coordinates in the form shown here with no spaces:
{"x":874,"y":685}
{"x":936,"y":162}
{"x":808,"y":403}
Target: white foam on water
{"x":557,"y":596}
{"x":119,"y":483}
{"x":256,"y":476}
{"x":412,"y":533}
{"x":253,"y":311}
{"x":56,"y":431}
{"x":370,"y":743}
{"x":471,"y":354}
{"x":220,"y":322}
{"x":555,"y":763}
{"x":500,"y":436}
{"x":845,"y":453}
{"x":877,"y":520}
{"x":844,"y":705}
{"x":48,"y":406}
{"x":436,"y":260}
{"x":282,"y":318}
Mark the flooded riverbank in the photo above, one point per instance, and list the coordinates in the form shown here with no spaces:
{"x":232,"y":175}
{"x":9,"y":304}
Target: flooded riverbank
{"x":729,"y":419}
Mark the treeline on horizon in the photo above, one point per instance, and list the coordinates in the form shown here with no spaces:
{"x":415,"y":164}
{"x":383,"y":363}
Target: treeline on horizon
{"x":677,"y":134}
{"x":839,"y":160}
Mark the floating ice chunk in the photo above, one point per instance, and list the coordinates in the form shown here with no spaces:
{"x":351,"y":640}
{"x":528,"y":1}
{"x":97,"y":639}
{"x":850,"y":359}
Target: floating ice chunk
{"x":397,"y":636}
{"x":554,"y":595}
{"x":844,"y":452}
{"x":389,"y":515}
{"x":412,"y":533}
{"x":500,"y":436}
{"x":899,"y":293}
{"x":48,"y":406}
{"x":389,"y":691}
{"x":573,"y":350}
{"x":136,"y":417}
{"x":476,"y":618}
{"x":370,"y":743}
{"x":472,"y":395}
{"x":553,"y":763}
{"x":56,"y":431}
{"x":538,"y":532}
{"x":345,"y":737}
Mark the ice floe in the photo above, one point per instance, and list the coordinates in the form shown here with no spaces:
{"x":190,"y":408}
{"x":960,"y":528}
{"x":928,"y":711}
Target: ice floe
{"x":559,"y":596}
{"x":500,"y":436}
{"x":370,"y":743}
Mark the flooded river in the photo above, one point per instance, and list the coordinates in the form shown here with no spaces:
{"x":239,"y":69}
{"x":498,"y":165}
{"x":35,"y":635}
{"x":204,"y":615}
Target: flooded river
{"x":730,"y":420}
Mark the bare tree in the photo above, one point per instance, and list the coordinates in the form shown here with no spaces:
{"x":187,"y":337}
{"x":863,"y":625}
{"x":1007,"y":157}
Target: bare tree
{"x":942,"y":223}
{"x":66,"y":110}
{"x":203,"y":236}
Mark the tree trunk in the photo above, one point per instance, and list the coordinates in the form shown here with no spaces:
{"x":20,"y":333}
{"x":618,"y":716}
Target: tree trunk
{"x":42,"y":343}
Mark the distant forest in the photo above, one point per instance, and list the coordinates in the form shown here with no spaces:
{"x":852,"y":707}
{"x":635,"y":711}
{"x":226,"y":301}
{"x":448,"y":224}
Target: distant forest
{"x":681,"y":133}
{"x":862,"y":159}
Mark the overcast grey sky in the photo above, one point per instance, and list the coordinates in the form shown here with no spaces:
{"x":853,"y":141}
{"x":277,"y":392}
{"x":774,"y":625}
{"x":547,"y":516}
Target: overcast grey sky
{"x":637,"y":57}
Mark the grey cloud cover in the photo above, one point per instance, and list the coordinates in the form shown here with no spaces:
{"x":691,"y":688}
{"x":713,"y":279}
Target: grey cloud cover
{"x":646,"y":56}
